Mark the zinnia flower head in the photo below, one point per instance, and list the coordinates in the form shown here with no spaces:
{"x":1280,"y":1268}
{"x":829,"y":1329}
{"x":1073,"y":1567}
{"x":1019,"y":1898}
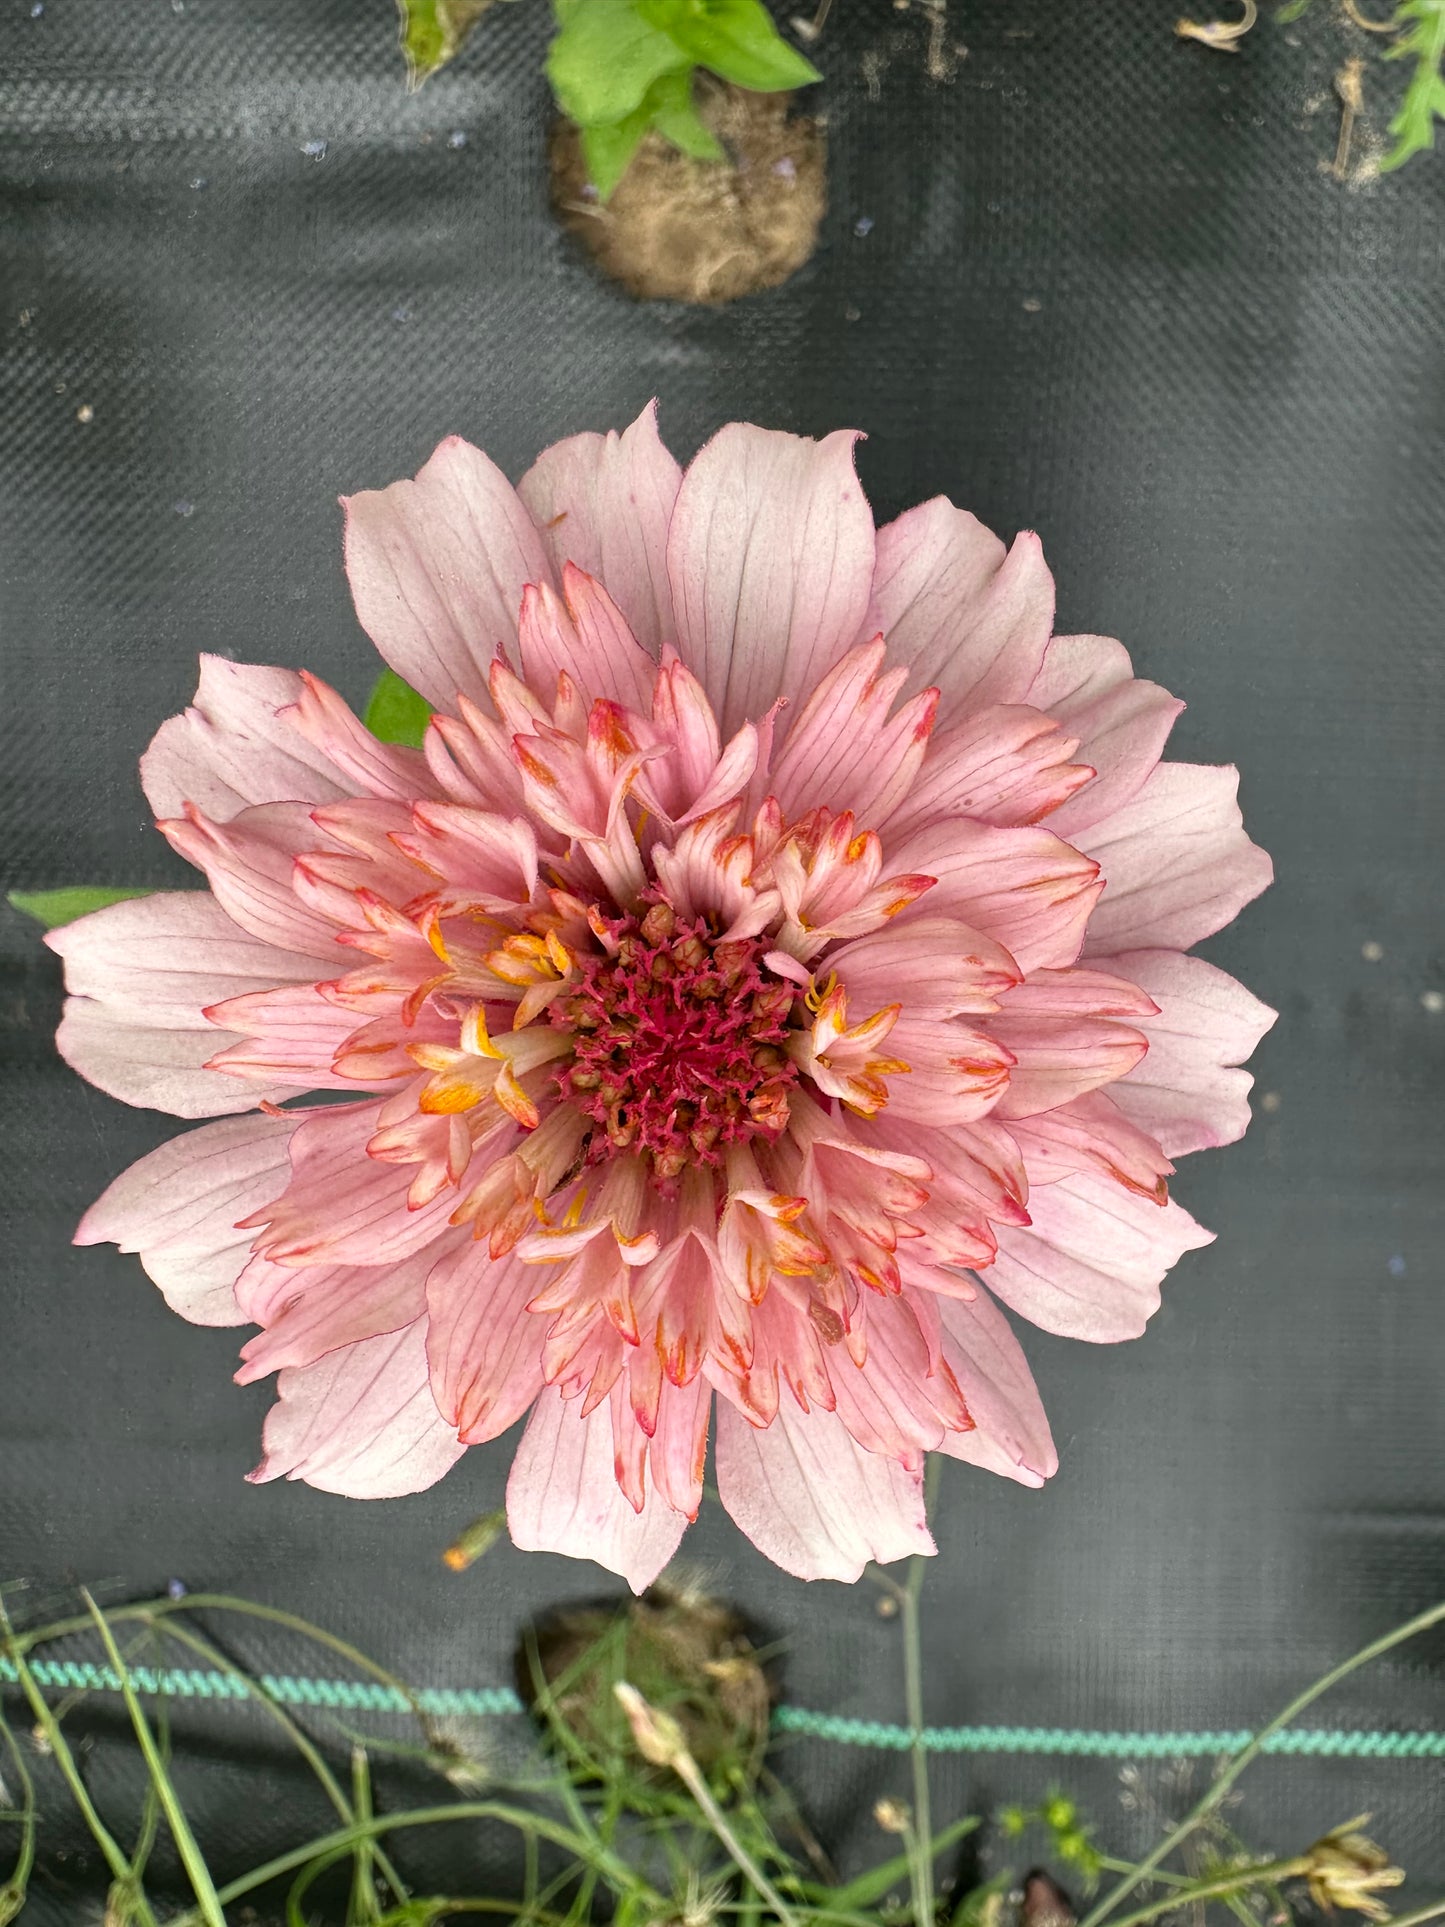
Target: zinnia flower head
{"x":773,"y":960}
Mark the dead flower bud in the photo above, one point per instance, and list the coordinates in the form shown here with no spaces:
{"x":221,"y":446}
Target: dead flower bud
{"x":1346,"y":1869}
{"x":658,"y":1736}
{"x":1045,"y":1904}
{"x":894,"y":1816}
{"x":479,"y":1537}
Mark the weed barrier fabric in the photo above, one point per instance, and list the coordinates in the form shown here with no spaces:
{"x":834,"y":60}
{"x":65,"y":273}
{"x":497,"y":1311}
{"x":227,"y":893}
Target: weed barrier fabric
{"x":1096,"y":284}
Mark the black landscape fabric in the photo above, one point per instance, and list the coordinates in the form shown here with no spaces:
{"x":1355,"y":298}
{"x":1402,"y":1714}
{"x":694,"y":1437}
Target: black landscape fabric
{"x":1085,"y":279}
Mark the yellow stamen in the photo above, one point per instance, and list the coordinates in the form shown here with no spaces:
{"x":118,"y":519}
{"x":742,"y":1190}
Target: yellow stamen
{"x":816,"y":998}
{"x":476,"y":1041}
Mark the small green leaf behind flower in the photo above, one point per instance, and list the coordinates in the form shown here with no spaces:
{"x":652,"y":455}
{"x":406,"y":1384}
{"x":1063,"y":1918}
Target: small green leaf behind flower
{"x":395,"y":713}
{"x":620,"y":68}
{"x":434,"y":32}
{"x":1422,"y":25}
{"x":52,"y":908}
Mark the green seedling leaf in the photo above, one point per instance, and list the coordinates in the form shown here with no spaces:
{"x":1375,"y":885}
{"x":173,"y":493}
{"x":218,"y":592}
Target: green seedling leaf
{"x":604,"y":59}
{"x":735,"y":39}
{"x":676,"y":118}
{"x":668,"y":107}
{"x":608,"y":151}
{"x":56,"y":907}
{"x":434,"y":32}
{"x":395,"y":713}
{"x":1422,"y":23}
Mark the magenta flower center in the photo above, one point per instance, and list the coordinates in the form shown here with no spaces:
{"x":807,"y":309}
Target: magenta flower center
{"x":678,"y":1042}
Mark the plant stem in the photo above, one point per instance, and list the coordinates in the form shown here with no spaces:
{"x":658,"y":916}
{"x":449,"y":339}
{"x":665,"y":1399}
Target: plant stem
{"x":921,"y":1835}
{"x":1421,"y":1914}
{"x":120,"y":1867}
{"x":157,"y":1609}
{"x":197,"y":1871}
{"x":1238,"y":1882}
{"x":1106,"y":1864}
{"x":345,"y":1839}
{"x":690,"y":1773}
{"x":214,"y":1656}
{"x":1215,"y":1793}
{"x":12,"y":1894}
{"x":364,"y":1908}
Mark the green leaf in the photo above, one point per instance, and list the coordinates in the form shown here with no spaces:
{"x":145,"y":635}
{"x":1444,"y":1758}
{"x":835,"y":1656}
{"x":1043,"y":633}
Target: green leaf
{"x":602,"y":61}
{"x":56,"y":907}
{"x":608,"y":151}
{"x":870,"y":1887}
{"x":735,"y":39}
{"x":396,"y":713}
{"x":434,"y":32}
{"x":1423,"y":24}
{"x":667,"y":106}
{"x":677,"y":120}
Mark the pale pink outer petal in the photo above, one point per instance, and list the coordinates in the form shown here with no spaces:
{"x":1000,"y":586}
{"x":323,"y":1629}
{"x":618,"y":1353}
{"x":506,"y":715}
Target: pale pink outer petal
{"x":1011,"y":1434}
{"x":584,"y":635}
{"x":437,"y":569}
{"x":1091,"y":1133}
{"x":1091,"y":1263}
{"x":605,"y":502}
{"x":1007,"y":764}
{"x":1176,"y":862}
{"x":1122,"y":723}
{"x":140,"y":974}
{"x":232,"y":748}
{"x":1186,"y":1092}
{"x":844,"y":751}
{"x":369,"y":767}
{"x":770,"y":557}
{"x":811,"y":1499}
{"x":180,"y":1205}
{"x":485,"y":1347}
{"x":250,"y":864}
{"x":933,"y":966}
{"x":360,"y":1422}
{"x":288,"y":1037}
{"x":563,"y":1496}
{"x":1060,"y":1058}
{"x":342,"y":1207}
{"x":1025,"y":888}
{"x":966,"y":615}
{"x":329,"y":1307}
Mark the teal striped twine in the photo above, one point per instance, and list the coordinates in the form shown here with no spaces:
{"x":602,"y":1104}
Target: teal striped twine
{"x":1059,"y":1742}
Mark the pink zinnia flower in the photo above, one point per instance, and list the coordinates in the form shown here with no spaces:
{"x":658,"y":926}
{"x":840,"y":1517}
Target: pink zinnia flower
{"x":778,"y":934}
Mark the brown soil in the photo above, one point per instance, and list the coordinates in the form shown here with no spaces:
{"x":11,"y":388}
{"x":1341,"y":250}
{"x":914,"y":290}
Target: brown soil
{"x":703,"y":231}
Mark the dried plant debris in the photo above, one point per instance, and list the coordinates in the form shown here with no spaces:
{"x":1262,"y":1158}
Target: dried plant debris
{"x":434,"y":32}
